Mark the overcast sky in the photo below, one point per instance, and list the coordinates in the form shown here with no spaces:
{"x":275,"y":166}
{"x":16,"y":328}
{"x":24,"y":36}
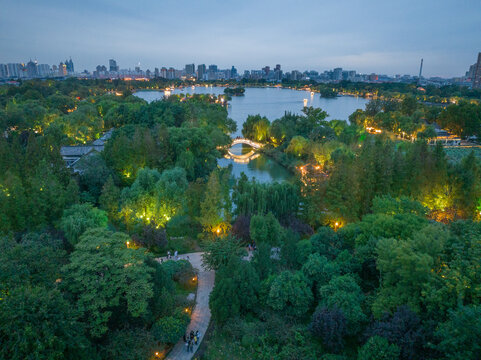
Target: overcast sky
{"x":381,"y":36}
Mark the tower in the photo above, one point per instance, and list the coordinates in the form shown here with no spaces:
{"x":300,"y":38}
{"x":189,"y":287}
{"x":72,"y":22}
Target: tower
{"x":420,"y":71}
{"x":477,"y":74}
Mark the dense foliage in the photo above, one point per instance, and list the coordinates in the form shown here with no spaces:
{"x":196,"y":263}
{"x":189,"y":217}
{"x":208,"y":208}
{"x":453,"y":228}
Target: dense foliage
{"x":390,"y":272}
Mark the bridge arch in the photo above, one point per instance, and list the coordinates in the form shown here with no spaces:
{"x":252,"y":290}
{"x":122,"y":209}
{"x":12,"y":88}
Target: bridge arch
{"x":244,"y":158}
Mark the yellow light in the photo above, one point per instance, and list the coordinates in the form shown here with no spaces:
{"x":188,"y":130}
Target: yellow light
{"x":337,"y":224}
{"x":128,"y":243}
{"x":218,"y":231}
{"x":186,"y":310}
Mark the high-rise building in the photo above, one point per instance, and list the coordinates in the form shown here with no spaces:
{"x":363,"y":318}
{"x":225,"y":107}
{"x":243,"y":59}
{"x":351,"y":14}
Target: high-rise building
{"x":233,"y":72}
{"x":3,"y":71}
{"x":266,"y":70}
{"x":62,"y":69}
{"x":69,"y":66}
{"x":213,"y":68}
{"x":477,"y":74}
{"x":163,"y":73}
{"x":201,"y":69}
{"x":171,"y":73}
{"x":156,"y":72}
{"x":470,"y":73}
{"x":13,"y":70}
{"x":113,"y":67}
{"x":31,"y":69}
{"x":43,"y":70}
{"x":337,"y":74}
{"x":190,"y":69}
{"x":278,"y":73}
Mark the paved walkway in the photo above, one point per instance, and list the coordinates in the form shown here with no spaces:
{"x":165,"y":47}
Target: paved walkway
{"x":201,"y":315}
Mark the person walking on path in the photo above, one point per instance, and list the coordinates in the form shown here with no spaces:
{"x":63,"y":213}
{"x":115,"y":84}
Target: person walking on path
{"x":175,"y":255}
{"x":197,"y":335}
{"x":168,"y":255}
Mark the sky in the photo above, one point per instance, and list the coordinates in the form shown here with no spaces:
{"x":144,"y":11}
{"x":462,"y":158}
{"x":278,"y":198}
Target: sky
{"x":369,"y":36}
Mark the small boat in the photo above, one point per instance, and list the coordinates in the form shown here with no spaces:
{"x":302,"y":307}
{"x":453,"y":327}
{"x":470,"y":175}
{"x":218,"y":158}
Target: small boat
{"x":193,"y":87}
{"x":312,"y":93}
{"x":305,"y":102}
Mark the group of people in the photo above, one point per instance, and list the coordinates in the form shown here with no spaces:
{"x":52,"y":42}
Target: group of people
{"x":191,"y":340}
{"x":170,"y":257}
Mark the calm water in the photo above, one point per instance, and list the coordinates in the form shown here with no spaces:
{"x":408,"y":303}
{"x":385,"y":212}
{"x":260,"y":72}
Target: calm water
{"x":271,"y":103}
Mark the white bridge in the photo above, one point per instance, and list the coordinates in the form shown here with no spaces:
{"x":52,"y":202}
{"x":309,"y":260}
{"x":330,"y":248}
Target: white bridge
{"x":244,"y":158}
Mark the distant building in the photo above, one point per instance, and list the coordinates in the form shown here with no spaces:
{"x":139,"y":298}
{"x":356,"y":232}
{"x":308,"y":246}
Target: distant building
{"x":337,"y":74}
{"x":62,"y":69}
{"x":233,"y":72}
{"x":156,"y":72}
{"x":113,"y":67}
{"x":201,"y":70}
{"x":3,"y":71}
{"x":477,"y":74}
{"x":31,"y":69}
{"x":43,"y":70}
{"x":14,"y":70}
{"x":212,"y":72}
{"x":171,"y":73}
{"x":266,"y":70}
{"x":190,"y":69}
{"x":69,"y":66}
{"x":163,"y":73}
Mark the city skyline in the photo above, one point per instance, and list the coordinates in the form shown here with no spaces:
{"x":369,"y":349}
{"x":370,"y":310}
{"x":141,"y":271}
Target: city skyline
{"x":375,"y":37}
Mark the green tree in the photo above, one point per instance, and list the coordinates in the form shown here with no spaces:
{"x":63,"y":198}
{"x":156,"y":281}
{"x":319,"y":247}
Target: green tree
{"x":110,"y":198}
{"x":105,"y":275}
{"x":218,"y":253}
{"x":256,"y":127}
{"x":459,"y":335}
{"x":289,"y":292}
{"x":36,"y":323}
{"x":210,"y":208}
{"x":266,"y":228}
{"x":236,"y":290}
{"x":378,"y":348}
{"x":78,"y":218}
{"x":169,"y":329}
{"x":344,"y":293}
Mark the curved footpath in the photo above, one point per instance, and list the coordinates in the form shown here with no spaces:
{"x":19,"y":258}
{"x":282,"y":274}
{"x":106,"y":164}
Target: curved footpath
{"x":201,"y":315}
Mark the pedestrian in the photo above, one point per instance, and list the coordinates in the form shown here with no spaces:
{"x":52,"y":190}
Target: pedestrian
{"x":175,"y":255}
{"x":191,"y":346}
{"x":187,"y":345}
{"x":195,"y":339}
{"x":168,"y":254}
{"x":185,"y":338}
{"x":197,"y":333}
{"x":191,"y":334}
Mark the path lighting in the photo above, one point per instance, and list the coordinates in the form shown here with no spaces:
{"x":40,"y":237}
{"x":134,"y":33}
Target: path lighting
{"x":336,"y":225}
{"x":127,"y":243}
{"x":218,"y":230}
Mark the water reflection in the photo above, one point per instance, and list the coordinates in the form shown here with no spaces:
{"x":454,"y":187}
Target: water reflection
{"x":272,"y":103}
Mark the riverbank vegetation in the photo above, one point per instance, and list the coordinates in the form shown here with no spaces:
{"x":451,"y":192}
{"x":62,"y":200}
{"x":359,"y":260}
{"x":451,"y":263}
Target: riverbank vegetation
{"x":372,"y":253}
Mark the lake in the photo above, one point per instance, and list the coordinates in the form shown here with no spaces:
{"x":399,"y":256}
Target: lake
{"x":271,"y":103}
